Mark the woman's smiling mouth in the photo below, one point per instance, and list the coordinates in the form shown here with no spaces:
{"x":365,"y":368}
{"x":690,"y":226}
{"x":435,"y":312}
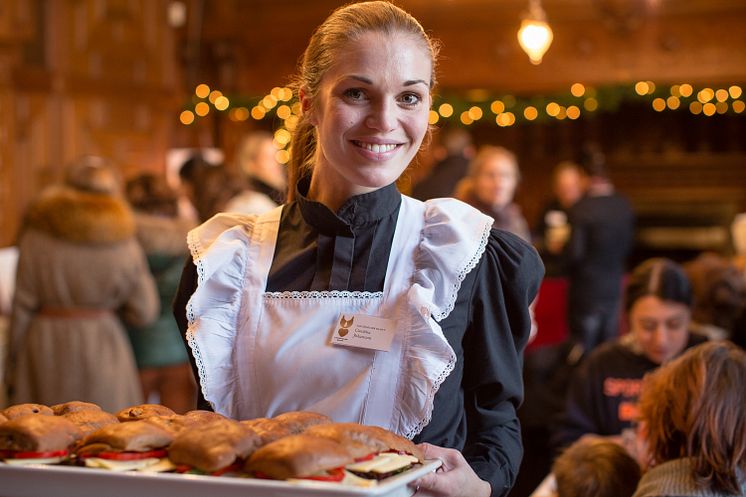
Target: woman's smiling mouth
{"x":376,"y":148}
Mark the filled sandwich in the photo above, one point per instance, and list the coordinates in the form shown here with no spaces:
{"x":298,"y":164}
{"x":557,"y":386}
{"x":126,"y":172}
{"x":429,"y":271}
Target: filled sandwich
{"x":34,"y":439}
{"x":300,"y":457}
{"x":131,"y":446}
{"x":142,"y":411}
{"x":215,"y":448}
{"x":18,"y":410}
{"x":378,"y":453}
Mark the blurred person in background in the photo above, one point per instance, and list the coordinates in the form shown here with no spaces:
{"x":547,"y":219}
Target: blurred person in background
{"x":490,"y":186}
{"x":161,"y":358}
{"x":595,"y":467}
{"x":453,"y":153}
{"x":256,"y":158}
{"x":692,"y":425}
{"x":214,"y":188}
{"x":569,"y":184}
{"x":601,"y":237}
{"x":80,"y":274}
{"x":719,"y":295}
{"x":603,"y":390}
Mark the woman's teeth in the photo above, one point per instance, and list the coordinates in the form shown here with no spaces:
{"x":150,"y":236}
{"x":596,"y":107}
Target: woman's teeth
{"x":376,"y":148}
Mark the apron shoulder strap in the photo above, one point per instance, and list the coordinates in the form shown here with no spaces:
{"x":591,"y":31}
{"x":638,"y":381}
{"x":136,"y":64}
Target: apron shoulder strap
{"x":454,"y":238}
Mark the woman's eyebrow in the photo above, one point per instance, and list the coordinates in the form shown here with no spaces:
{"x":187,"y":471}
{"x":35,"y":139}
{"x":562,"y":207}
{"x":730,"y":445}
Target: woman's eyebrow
{"x":368,"y":81}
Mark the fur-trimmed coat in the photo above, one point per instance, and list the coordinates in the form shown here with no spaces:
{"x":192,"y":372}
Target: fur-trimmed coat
{"x":78,"y":252}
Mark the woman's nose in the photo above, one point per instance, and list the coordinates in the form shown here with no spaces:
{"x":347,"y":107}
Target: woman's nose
{"x":382,"y":116}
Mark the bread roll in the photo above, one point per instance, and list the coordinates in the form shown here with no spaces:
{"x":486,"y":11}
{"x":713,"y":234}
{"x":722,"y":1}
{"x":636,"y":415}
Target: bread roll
{"x":34,"y":433}
{"x":19,"y":410}
{"x":298,"y":456}
{"x":214,"y":446}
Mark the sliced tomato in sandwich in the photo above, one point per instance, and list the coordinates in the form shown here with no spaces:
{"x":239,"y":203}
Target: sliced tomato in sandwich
{"x":336,"y":474}
{"x":130,"y":456}
{"x":21,"y":457}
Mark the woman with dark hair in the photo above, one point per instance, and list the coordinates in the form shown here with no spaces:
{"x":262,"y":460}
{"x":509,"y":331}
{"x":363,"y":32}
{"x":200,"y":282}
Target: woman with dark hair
{"x":602,"y":396}
{"x":268,"y":305}
{"x":693,"y":424}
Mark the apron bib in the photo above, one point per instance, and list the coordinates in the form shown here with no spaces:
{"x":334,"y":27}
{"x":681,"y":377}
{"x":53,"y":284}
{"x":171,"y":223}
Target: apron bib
{"x":281,"y":358}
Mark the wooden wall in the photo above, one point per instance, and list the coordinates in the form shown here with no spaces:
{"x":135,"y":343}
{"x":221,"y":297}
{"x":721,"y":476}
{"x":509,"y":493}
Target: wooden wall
{"x":81,"y":77}
{"x":111,"y":76}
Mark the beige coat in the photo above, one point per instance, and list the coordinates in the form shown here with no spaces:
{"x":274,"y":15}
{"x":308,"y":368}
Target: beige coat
{"x":78,"y":251}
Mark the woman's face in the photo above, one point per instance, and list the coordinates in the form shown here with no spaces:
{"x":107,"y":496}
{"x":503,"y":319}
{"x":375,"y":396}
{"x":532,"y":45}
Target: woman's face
{"x":371,"y":112}
{"x":660,"y":327}
{"x":496,"y":181}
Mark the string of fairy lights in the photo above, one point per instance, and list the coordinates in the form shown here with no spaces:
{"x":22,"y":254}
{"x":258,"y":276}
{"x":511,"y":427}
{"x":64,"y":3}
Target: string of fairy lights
{"x":282,"y":107}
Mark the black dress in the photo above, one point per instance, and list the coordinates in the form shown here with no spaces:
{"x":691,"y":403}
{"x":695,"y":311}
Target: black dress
{"x":475,"y":408}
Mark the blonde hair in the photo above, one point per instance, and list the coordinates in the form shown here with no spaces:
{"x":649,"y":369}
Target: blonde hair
{"x":345,"y":24}
{"x":693,"y":407}
{"x":464,"y":189}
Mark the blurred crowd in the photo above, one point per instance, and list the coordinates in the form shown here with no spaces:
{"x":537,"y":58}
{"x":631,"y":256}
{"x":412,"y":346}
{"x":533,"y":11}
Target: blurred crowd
{"x":98,"y":260}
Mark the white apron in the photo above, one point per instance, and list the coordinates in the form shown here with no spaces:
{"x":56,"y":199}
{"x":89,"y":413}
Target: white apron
{"x":281,"y":358}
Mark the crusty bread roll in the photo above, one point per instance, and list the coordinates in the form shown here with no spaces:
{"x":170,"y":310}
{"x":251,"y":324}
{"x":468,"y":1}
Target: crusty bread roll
{"x":199,"y":416}
{"x":297,"y":421}
{"x":90,"y":420}
{"x":74,"y":406}
{"x":214,"y":446}
{"x":137,"y":436}
{"x":34,"y":433}
{"x":19,"y":410}
{"x":143,"y":411}
{"x":356,"y":437}
{"x":298,"y":456}
{"x":268,"y":430}
{"x":3,"y":419}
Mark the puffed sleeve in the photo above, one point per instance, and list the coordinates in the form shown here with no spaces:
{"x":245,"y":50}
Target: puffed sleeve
{"x":507,"y":280}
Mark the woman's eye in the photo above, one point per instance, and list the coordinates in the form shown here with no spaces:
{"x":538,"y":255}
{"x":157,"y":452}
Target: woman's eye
{"x":410,"y":99}
{"x":354,"y":94}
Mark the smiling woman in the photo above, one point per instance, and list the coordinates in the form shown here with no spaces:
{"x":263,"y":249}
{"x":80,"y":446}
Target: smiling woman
{"x":354,"y":300}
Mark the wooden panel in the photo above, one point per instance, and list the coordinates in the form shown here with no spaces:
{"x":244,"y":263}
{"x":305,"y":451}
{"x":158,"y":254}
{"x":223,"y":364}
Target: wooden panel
{"x":101,"y":78}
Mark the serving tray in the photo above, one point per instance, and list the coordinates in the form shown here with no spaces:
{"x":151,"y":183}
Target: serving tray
{"x":71,"y":481}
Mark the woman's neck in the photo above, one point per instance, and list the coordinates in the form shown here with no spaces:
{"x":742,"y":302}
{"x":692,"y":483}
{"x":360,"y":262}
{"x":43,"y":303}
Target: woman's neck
{"x":332,"y":192}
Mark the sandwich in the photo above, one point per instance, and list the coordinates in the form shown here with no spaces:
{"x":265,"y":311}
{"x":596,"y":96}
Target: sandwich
{"x":19,"y":410}
{"x":73,"y":406}
{"x":177,"y":423}
{"x":90,"y":420}
{"x":268,"y":429}
{"x":297,"y":421}
{"x":132,"y":446}
{"x":283,"y":425}
{"x":378,"y":453}
{"x":300,"y":457}
{"x":143,"y":411}
{"x":34,"y":439}
{"x":215,"y":448}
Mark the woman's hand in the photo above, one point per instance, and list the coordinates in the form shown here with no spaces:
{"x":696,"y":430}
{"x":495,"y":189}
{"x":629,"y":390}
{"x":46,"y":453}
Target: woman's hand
{"x":454,"y":478}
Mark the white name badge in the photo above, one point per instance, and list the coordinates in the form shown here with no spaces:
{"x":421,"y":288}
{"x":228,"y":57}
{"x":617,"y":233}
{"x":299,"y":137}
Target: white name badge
{"x":367,"y":332}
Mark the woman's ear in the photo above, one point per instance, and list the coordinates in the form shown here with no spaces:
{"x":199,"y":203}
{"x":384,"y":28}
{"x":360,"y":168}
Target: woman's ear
{"x":307,"y":106}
